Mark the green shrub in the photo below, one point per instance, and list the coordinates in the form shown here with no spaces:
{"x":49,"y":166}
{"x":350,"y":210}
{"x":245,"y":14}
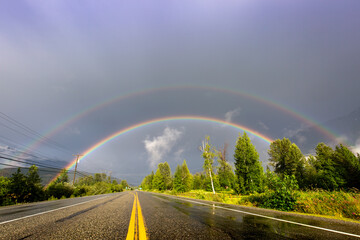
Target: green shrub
{"x":59,"y":190}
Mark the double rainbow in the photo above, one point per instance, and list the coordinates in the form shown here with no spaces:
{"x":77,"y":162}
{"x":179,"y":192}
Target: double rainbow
{"x":159,"y":120}
{"x":270,"y":103}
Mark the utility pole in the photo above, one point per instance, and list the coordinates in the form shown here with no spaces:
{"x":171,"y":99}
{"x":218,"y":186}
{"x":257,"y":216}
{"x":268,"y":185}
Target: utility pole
{"x":77,"y":159}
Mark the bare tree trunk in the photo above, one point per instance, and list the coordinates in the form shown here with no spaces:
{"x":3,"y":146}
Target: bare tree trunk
{"x":212,"y":184}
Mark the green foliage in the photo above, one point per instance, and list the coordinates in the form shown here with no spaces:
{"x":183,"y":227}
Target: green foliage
{"x":34,"y":187}
{"x":124,"y":184}
{"x":147,"y":183}
{"x":248,"y":169}
{"x":63,"y":178}
{"x":209,"y":153}
{"x":285,"y":157}
{"x":281,"y":193}
{"x":162,"y":178}
{"x":333,"y":203}
{"x":199,"y":181}
{"x":18,"y":187}
{"x":60,"y":189}
{"x":87,"y":180}
{"x":225,"y":175}
{"x":182,"y":178}
{"x":334,"y":169}
{"x":4,"y":191}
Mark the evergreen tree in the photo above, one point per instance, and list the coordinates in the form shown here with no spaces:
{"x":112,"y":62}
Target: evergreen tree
{"x":248,"y":169}
{"x":225,"y":174}
{"x":182,"y":178}
{"x":158,"y":180}
{"x":166,"y":173}
{"x":34,"y":187}
{"x":18,"y":187}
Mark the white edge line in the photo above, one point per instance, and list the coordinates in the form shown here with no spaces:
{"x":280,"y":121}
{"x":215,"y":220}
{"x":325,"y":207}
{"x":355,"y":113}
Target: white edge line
{"x":259,"y":215}
{"x":16,"y":219}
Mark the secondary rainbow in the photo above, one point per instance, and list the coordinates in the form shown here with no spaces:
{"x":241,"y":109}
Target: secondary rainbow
{"x":271,"y":103}
{"x":159,"y":120}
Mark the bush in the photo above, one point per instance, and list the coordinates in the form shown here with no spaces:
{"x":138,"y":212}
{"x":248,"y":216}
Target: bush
{"x":58,"y":190}
{"x":81,"y":191}
{"x":333,"y":203}
{"x":283,"y":194}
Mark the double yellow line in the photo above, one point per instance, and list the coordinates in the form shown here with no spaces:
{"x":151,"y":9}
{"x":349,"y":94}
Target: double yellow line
{"x":137,"y":228}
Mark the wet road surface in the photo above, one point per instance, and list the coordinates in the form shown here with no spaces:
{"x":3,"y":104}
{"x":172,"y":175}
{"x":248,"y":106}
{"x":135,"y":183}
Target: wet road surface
{"x":158,"y":216}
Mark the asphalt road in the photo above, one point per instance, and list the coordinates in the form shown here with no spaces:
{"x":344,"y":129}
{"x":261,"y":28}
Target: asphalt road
{"x":157,"y":216}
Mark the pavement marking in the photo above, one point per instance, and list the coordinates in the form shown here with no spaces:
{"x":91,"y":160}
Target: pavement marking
{"x":36,"y":214}
{"x":131,"y":231}
{"x":142,"y":229}
{"x":272,"y":218}
{"x":137,"y":228}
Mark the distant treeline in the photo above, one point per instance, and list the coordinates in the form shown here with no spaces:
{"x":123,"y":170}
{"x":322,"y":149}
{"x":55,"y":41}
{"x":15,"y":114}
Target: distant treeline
{"x":329,"y":169}
{"x":20,"y":188}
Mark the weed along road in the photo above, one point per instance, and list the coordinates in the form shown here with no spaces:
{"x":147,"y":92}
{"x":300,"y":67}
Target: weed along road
{"x":143,"y":215}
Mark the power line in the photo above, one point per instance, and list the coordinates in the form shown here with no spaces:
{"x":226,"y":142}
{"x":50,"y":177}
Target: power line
{"x":16,"y":144}
{"x":37,"y":164}
{"x":46,"y":140}
{"x":28,"y":129}
{"x":39,"y":169}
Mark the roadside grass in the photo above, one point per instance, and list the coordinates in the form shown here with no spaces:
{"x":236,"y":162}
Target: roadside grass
{"x":339,"y":204}
{"x":331,"y":204}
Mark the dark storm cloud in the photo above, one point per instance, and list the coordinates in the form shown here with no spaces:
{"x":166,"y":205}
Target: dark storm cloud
{"x":59,"y":57}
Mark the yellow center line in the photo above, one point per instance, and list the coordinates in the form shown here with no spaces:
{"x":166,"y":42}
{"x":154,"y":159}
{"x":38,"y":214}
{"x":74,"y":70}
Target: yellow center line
{"x":142,"y":229}
{"x":137,"y":229}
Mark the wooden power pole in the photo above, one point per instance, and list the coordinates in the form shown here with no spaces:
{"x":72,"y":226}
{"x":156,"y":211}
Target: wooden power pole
{"x":77,"y":159}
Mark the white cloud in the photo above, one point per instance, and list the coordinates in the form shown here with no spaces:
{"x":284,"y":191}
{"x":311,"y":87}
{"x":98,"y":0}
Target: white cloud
{"x":296,"y":133}
{"x":231,"y":114}
{"x":161,"y":145}
{"x":356,"y":148}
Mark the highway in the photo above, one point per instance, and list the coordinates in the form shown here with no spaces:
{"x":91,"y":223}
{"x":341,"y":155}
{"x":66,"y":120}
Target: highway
{"x":143,"y":215}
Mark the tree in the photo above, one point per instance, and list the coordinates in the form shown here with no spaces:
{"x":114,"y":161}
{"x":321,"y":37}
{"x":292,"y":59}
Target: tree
{"x":285,"y":157}
{"x":158,"y":180}
{"x":209,"y":153}
{"x":225,"y":174}
{"x":17,"y":187}
{"x":34,"y":187}
{"x":327,"y":176}
{"x":347,"y":166}
{"x":182,"y":178}
{"x":224,"y":171}
{"x":146,"y":184}
{"x":63,"y":176}
{"x":248,"y":169}
{"x":199,"y":181}
{"x":166,"y":174}
{"x":124,"y":184}
{"x":4,"y":191}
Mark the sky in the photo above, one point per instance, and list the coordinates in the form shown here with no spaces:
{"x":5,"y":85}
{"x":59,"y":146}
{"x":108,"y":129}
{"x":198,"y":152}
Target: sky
{"x":79,"y":71}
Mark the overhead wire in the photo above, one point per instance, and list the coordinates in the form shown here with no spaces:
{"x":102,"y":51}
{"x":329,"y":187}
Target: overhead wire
{"x":37,"y":164}
{"x":45,"y":139}
{"x":18,"y":145}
